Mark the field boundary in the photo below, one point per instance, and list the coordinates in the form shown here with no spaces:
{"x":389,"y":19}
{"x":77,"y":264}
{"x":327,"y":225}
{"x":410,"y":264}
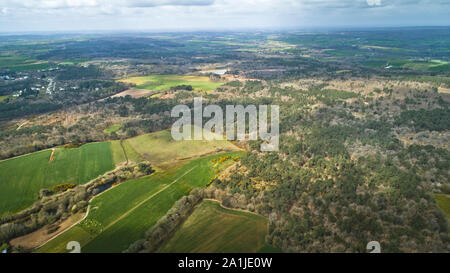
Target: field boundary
{"x":23,"y":123}
{"x":234,"y":209}
{"x":147,"y":199}
{"x":18,"y":156}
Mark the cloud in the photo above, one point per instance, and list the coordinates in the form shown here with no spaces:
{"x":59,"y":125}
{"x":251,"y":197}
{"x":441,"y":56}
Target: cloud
{"x":162,"y":14}
{"x":70,"y":4}
{"x":234,"y":4}
{"x":157,"y":3}
{"x":374,"y":2}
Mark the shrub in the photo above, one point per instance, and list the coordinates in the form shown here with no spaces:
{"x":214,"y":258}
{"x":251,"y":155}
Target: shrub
{"x":63,"y":187}
{"x":72,"y":145}
{"x":145,"y":168}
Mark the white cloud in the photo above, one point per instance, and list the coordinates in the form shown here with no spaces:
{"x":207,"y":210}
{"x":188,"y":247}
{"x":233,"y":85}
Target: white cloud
{"x":68,"y":4}
{"x":160,"y":14}
{"x":158,"y":3}
{"x":374,"y":2}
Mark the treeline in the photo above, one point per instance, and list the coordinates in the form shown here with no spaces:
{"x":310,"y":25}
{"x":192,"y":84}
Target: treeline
{"x":166,"y":226}
{"x":73,"y":72}
{"x":20,"y":108}
{"x":182,"y":87}
{"x":9,"y":88}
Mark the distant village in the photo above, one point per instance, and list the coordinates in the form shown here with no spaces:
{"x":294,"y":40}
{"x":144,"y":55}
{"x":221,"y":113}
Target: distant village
{"x":40,"y":83}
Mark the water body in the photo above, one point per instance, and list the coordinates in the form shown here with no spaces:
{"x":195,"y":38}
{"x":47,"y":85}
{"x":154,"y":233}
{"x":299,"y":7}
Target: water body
{"x":217,"y":71}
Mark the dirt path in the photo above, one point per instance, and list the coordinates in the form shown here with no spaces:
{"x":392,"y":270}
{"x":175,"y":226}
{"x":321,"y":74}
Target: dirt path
{"x":62,"y":229}
{"x":52,"y":155}
{"x":133,"y":92}
{"x":20,"y":126}
{"x":238,"y":210}
{"x":40,"y":237}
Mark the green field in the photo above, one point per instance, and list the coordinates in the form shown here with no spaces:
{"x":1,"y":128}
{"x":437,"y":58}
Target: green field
{"x":159,"y":148}
{"x":165,"y":82}
{"x":443,"y":201}
{"x":117,"y":152}
{"x":131,"y":153}
{"x":113,"y":129}
{"x":18,"y":64}
{"x":74,"y":61}
{"x":123,"y":152}
{"x":33,"y":66}
{"x":213,"y":229}
{"x":24,"y":176}
{"x":423,"y":66}
{"x":123,"y":214}
{"x":432,"y":65}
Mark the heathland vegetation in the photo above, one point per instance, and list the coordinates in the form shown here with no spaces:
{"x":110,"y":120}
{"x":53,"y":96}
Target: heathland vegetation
{"x":363,"y":153}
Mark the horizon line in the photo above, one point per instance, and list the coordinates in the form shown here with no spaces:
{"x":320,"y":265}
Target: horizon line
{"x":218,"y":30}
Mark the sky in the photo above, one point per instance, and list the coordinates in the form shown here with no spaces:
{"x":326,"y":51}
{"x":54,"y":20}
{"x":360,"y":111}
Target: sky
{"x":192,"y":15}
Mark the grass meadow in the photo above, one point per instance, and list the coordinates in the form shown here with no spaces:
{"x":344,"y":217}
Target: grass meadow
{"x":165,"y":82}
{"x":160,"y":149}
{"x":214,"y":229}
{"x":22,"y":177}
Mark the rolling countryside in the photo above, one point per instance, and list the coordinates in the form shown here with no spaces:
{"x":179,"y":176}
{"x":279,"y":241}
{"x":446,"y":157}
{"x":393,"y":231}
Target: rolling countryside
{"x":315,"y":127}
